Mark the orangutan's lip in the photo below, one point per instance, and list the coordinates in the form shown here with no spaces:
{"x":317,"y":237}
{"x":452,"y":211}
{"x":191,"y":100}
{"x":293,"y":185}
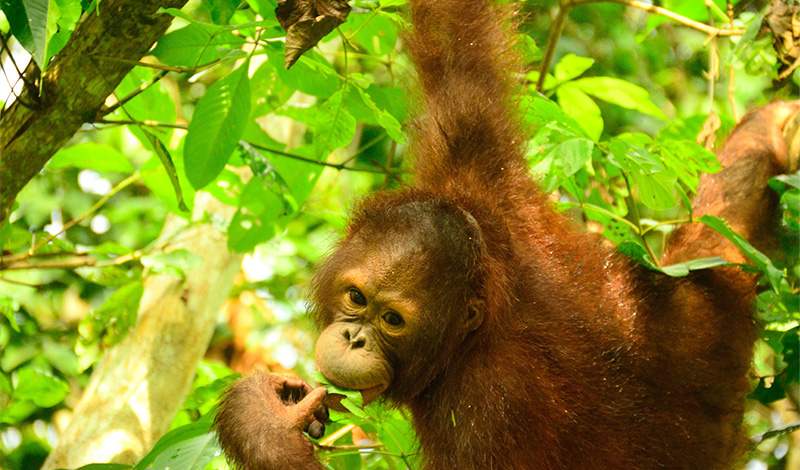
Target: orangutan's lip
{"x":369,"y":394}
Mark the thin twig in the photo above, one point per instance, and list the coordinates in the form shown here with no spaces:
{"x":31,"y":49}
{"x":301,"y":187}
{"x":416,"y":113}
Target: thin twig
{"x":8,"y":259}
{"x":148,"y":123}
{"x":710,"y":30}
{"x":334,"y":436}
{"x":353,"y":447}
{"x":78,"y":260}
{"x":713,"y":61}
{"x":389,"y":161}
{"x":19,"y":283}
{"x":634,"y":211}
{"x":145,"y":123}
{"x":144,"y":86}
{"x":337,"y":166}
{"x":552,"y":40}
{"x":120,"y":186}
{"x":786,"y":73}
{"x":75,"y":260}
{"x":168,"y":68}
{"x":732,"y":71}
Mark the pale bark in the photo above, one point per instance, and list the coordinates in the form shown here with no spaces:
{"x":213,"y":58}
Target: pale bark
{"x":137,"y":389}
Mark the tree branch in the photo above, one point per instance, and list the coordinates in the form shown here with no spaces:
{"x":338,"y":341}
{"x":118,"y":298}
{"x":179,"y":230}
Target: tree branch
{"x":565,"y":6}
{"x":137,"y":388}
{"x":74,"y":87}
{"x":710,"y":30}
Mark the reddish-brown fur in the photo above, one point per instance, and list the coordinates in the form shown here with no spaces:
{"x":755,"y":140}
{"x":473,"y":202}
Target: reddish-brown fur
{"x":584,"y":359}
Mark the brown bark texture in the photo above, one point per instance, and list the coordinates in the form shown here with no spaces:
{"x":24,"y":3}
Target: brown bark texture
{"x":98,"y":55}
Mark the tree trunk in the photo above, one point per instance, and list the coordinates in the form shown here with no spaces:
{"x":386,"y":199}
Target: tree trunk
{"x":135,"y":392}
{"x":98,"y":55}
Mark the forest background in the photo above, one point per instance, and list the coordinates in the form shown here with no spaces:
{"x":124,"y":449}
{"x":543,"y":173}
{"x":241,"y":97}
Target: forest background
{"x":167,"y":186}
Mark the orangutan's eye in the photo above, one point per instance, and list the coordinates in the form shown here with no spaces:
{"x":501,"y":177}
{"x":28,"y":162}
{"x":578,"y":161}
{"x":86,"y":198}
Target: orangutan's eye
{"x":393,"y":318}
{"x":357,"y":297}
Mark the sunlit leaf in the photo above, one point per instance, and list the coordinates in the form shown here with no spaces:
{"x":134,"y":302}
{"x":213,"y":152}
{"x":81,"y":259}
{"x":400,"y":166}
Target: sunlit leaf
{"x":571,"y":66}
{"x":620,"y":93}
{"x":174,"y":438}
{"x":191,"y":454}
{"x":41,"y":388}
{"x":43,"y":21}
{"x":217,"y":125}
{"x":335,"y":126}
{"x":195,"y":44}
{"x":577,"y":104}
{"x":91,"y":155}
{"x":773,"y":274}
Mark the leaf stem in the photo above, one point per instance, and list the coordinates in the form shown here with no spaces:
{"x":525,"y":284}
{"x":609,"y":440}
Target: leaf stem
{"x":119,"y":187}
{"x":144,"y":86}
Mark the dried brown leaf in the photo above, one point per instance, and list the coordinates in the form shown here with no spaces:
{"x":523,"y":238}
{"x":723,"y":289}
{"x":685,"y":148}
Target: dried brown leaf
{"x":308,"y":21}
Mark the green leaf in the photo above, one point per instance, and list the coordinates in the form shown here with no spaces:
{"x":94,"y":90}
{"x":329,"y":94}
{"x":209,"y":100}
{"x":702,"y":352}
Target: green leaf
{"x":43,"y":21}
{"x":572,"y":155}
{"x":375,"y":32}
{"x":165,"y":158}
{"x":335,"y":126}
{"x":682,"y":269}
{"x":271,"y":179}
{"x":41,"y":388}
{"x":299,"y":176}
{"x":69,"y":12}
{"x":571,"y":66}
{"x":8,"y":307}
{"x":764,"y":264}
{"x":268,"y":91}
{"x":391,"y":99}
{"x":93,"y":156}
{"x":750,"y":33}
{"x":656,"y":189}
{"x":311,"y":74}
{"x":221,"y":10}
{"x":255,"y":218}
{"x":161,"y":179}
{"x":154,"y":103}
{"x":397,"y":434}
{"x":171,"y":261}
{"x":111,"y":248}
{"x":791,"y":216}
{"x":353,"y":400}
{"x":217,"y":125}
{"x":638,"y":252}
{"x":191,"y":454}
{"x":792,"y":180}
{"x":563,"y":161}
{"x":529,"y":51}
{"x":644,"y":170}
{"x":620,"y":93}
{"x":175,"y":437}
{"x":577,"y":104}
{"x":384,"y":119}
{"x":540,"y":111}
{"x":268,"y":203}
{"x":109,"y":324}
{"x":18,"y":21}
{"x":195,"y":44}
{"x":12,"y":236}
